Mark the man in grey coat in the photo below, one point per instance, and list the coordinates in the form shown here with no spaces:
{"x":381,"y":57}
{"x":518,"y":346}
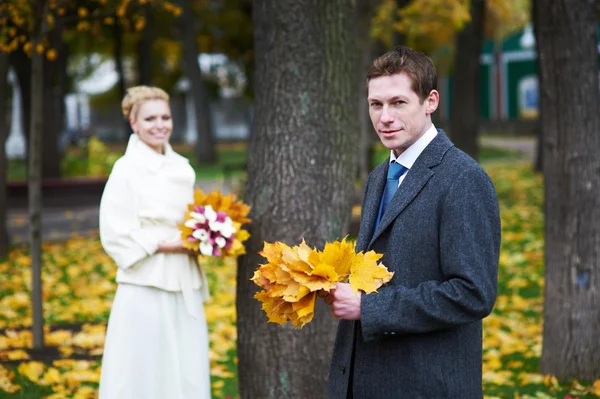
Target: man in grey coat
{"x":432,"y":212}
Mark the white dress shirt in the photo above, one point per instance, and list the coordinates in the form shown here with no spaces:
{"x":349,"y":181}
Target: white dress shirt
{"x":410,"y":155}
{"x":145,"y":197}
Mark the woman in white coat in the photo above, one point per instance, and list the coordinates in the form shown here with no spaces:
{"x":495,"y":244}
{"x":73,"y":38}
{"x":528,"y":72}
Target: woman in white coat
{"x":156,"y":342}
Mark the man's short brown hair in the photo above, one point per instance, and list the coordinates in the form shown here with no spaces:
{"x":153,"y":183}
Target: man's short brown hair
{"x":417,"y":66}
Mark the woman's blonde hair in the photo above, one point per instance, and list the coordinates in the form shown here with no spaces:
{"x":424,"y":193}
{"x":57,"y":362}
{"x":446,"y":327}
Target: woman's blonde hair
{"x":137,"y":95}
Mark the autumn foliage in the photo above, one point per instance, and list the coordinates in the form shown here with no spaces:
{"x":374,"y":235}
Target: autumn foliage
{"x":293,"y":276}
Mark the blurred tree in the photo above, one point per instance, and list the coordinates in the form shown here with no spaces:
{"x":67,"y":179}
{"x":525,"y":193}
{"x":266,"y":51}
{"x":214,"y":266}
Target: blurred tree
{"x":301,"y":169}
{"x":34,"y":170}
{"x":464,"y":119}
{"x":539,"y":153}
{"x":399,"y":36}
{"x":205,"y":141}
{"x":452,"y":33}
{"x":35,"y":29}
{"x":569,"y":103}
{"x":4,"y":126}
{"x":145,"y":45}
{"x":365,"y":10}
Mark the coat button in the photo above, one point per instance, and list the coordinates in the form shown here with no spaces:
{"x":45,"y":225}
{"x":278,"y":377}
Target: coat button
{"x":343,"y":369}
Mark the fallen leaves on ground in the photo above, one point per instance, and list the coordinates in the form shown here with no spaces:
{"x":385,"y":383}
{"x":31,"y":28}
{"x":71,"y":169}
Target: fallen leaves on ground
{"x":78,"y":280}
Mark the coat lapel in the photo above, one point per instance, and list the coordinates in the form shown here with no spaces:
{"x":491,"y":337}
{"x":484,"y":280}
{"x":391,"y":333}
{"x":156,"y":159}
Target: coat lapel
{"x":415,"y":180}
{"x":371,"y":205}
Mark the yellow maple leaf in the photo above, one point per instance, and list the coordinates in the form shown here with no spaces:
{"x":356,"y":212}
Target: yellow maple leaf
{"x":367,"y":275}
{"x":304,"y":310}
{"x":272,"y":307}
{"x":272,"y":252}
{"x":339,"y":254}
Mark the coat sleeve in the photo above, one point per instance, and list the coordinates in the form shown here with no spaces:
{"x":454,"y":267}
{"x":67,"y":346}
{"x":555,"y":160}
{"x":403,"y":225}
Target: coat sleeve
{"x":121,"y":233}
{"x":469,"y":235}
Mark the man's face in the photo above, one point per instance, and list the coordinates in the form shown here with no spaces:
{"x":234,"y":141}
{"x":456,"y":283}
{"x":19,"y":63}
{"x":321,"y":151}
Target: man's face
{"x":397,"y":114}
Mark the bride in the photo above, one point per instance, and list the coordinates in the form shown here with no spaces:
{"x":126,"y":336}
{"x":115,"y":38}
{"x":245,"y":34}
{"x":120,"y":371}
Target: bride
{"x":156,"y":341}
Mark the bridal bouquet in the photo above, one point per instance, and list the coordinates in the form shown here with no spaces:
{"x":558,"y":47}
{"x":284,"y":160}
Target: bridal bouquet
{"x":293,"y":276}
{"x":213,"y":225}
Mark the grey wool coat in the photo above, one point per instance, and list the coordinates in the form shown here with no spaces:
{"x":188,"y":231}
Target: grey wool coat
{"x":420,"y":335}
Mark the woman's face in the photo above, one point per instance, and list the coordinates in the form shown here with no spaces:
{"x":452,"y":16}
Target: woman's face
{"x":153,"y":124}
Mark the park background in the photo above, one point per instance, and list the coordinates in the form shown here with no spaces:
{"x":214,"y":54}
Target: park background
{"x":256,"y":86}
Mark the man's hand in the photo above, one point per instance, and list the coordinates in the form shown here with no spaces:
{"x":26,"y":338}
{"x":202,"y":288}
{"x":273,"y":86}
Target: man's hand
{"x":345,"y":304}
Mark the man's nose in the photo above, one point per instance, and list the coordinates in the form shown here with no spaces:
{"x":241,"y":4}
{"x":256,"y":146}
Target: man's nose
{"x":386,"y":115}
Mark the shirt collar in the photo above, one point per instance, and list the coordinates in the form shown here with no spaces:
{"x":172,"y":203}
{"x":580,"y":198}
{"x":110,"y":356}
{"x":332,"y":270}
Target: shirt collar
{"x":146,"y":155}
{"x":410,"y":155}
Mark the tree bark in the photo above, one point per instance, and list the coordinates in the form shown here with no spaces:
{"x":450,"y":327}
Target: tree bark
{"x":205,"y":143}
{"x":35,"y":172}
{"x":464,"y":120}
{"x":54,"y":95}
{"x":118,"y":54}
{"x":539,"y":133}
{"x":398,"y":37}
{"x":301,"y":168}
{"x":568,"y":65}
{"x":145,"y":48}
{"x":4,"y":243}
{"x":365,"y":9}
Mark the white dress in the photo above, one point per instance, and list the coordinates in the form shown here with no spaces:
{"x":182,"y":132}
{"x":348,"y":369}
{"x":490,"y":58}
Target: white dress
{"x":157,"y":340}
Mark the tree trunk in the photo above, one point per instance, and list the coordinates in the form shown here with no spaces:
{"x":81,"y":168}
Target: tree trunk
{"x":568,"y":64}
{"x":368,"y":49}
{"x":53,"y":104}
{"x":118,"y":54}
{"x":35,"y":173}
{"x":539,"y":133}
{"x":301,"y":168}
{"x":3,"y":172}
{"x":464,"y":120}
{"x":145,"y":48}
{"x":205,"y":143}
{"x":398,"y":37}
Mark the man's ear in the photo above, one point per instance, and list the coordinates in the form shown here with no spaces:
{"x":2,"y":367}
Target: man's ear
{"x":432,"y":100}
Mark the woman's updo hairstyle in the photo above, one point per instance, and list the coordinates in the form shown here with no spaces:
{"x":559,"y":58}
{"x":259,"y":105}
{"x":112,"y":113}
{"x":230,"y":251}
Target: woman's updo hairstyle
{"x":137,"y":95}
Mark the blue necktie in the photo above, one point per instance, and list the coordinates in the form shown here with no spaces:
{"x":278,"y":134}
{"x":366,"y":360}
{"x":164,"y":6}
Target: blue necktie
{"x":395,"y":170}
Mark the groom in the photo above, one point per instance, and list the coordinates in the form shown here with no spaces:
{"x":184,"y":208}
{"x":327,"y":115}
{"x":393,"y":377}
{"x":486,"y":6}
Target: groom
{"x":433,"y":213}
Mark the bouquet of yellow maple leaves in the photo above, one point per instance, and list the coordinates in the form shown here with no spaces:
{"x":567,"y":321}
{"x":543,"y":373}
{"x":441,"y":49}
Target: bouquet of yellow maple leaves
{"x":293,"y":276}
{"x":213,"y":225}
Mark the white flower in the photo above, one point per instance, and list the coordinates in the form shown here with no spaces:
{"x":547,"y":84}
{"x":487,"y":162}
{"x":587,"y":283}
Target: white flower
{"x":227,"y":230}
{"x":215,"y":226}
{"x":209,"y":213}
{"x":206,"y":248}
{"x":191,"y":223}
{"x":198,"y":216}
{"x":200,"y":234}
{"x":220,"y":241}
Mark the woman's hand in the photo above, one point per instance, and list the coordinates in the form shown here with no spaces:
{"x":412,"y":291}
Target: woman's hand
{"x":173,"y":247}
